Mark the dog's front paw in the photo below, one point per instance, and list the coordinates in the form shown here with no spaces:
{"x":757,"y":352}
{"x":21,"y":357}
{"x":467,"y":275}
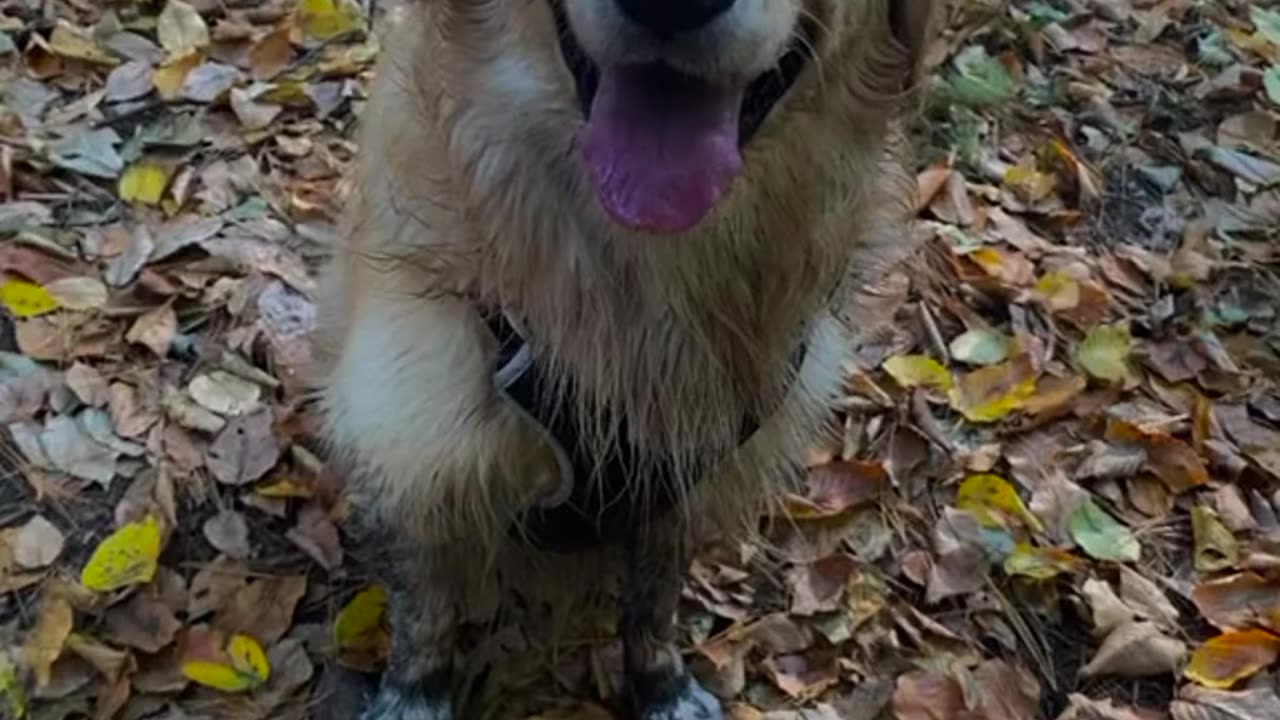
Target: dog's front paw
{"x":673,"y":698}
{"x":399,"y":703}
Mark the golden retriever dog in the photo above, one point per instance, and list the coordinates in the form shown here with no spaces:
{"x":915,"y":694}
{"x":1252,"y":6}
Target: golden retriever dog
{"x":598,"y":294}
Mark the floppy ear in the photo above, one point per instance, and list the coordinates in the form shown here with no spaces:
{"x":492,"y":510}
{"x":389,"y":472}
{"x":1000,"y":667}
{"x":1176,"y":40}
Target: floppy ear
{"x":913,"y":24}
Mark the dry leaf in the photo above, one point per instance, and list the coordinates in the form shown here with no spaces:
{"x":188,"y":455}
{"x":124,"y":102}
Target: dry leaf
{"x":155,"y":330}
{"x":141,"y":622}
{"x":44,"y":643}
{"x":126,"y":557}
{"x":1136,"y":649}
{"x":37,"y":543}
{"x":1227,"y":659}
{"x":181,"y":29}
{"x":228,"y":532}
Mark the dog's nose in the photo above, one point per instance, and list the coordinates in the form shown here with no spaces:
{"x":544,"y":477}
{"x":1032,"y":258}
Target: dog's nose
{"x":667,"y":17}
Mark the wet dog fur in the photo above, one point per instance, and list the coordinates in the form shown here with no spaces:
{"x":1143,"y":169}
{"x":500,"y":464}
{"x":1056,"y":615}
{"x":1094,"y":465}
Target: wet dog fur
{"x":470,"y":194}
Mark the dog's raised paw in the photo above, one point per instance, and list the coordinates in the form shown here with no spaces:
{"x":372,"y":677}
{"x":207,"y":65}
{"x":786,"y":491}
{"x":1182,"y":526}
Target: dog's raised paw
{"x":687,"y":700}
{"x":398,"y":703}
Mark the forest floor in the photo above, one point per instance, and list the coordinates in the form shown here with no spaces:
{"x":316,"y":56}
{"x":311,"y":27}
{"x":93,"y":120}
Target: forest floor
{"x":1059,"y":487}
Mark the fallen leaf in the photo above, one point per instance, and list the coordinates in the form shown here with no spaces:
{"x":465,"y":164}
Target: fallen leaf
{"x":143,"y":182}
{"x":1101,"y":536}
{"x":923,"y":695}
{"x":111,"y":663}
{"x":1040,"y":563}
{"x":1199,"y":703}
{"x":44,"y":643}
{"x":1240,"y":601}
{"x":991,"y":498}
{"x":1227,"y":659}
{"x":1144,"y":596}
{"x":129,"y":81}
{"x":317,"y":536}
{"x":1083,"y":708}
{"x":13,"y":697}
{"x":1104,"y":352}
{"x":327,"y":19}
{"x":155,"y":330}
{"x":224,"y":393}
{"x":26,"y":299}
{"x":980,"y":346}
{"x":180,"y":28}
{"x":990,"y":393}
{"x":360,"y":629}
{"x":1136,"y":649}
{"x":1057,"y":291}
{"x":78,"y":293}
{"x":37,"y":543}
{"x":141,"y":622}
{"x":245,"y":450}
{"x":917,"y":371}
{"x":263,"y":608}
{"x":128,"y":556}
{"x":1108,"y":610}
{"x":1215,"y":545}
{"x":228,"y":533}
{"x":70,"y":41}
{"x":239,"y":666}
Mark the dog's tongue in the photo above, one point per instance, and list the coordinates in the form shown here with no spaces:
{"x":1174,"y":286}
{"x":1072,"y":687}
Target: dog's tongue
{"x":661,"y":148}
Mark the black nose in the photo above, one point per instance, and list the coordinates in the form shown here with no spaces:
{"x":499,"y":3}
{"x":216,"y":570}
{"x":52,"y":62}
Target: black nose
{"x":667,"y":17}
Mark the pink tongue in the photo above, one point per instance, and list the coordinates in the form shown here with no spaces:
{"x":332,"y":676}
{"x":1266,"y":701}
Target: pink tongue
{"x":662,"y":149}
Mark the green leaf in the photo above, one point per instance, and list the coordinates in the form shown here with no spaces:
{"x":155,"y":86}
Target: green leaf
{"x":1104,"y":353}
{"x":1271,"y":84}
{"x":980,"y":346}
{"x":979,"y":80}
{"x":1267,"y":22}
{"x":1102,"y":536}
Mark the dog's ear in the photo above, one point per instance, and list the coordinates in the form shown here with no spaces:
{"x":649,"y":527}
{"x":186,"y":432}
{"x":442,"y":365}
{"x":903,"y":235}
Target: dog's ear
{"x":913,"y":24}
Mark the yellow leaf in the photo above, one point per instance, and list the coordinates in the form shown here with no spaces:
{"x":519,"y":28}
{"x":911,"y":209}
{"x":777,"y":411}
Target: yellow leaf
{"x":169,"y":77}
{"x":126,"y":557}
{"x":143,"y":182}
{"x":915,"y":370}
{"x":990,"y":393}
{"x":1104,"y":352}
{"x":70,"y":41}
{"x":360,"y":624}
{"x":1225,"y":660}
{"x":1215,"y":547}
{"x":1040,"y":563}
{"x":327,"y":19}
{"x":181,"y":29}
{"x":1057,"y":291}
{"x":240,"y":667}
{"x":13,"y":699}
{"x":980,"y":495}
{"x":284,"y":488}
{"x":26,"y":299}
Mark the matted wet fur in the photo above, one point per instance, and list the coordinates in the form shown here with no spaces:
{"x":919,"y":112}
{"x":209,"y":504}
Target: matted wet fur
{"x":471,"y":193}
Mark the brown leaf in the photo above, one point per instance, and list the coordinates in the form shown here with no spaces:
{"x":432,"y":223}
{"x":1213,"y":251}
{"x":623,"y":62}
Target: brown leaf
{"x":214,"y":586}
{"x":245,"y":450}
{"x":113,"y":664}
{"x":317,"y":536}
{"x":1006,"y":692}
{"x":818,"y":587}
{"x":229,"y":533}
{"x":142,"y":622}
{"x":44,"y":643}
{"x":1240,"y":601}
{"x":155,"y":330}
{"x":263,"y":609}
{"x":932,"y":695}
{"x":803,"y":676}
{"x":961,"y":565}
{"x":1083,"y":708}
{"x":1198,"y":703}
{"x":1136,"y":649}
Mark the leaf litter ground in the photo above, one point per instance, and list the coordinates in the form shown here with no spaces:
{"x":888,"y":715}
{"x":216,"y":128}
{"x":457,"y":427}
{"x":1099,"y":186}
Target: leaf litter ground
{"x":1058,"y":489}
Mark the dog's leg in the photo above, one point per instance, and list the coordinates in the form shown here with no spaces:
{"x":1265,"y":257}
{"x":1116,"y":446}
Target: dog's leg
{"x":660,"y":686}
{"x":416,"y":684}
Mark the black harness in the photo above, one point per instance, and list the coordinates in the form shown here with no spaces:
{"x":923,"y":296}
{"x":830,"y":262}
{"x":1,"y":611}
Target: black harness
{"x":593,"y":504}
